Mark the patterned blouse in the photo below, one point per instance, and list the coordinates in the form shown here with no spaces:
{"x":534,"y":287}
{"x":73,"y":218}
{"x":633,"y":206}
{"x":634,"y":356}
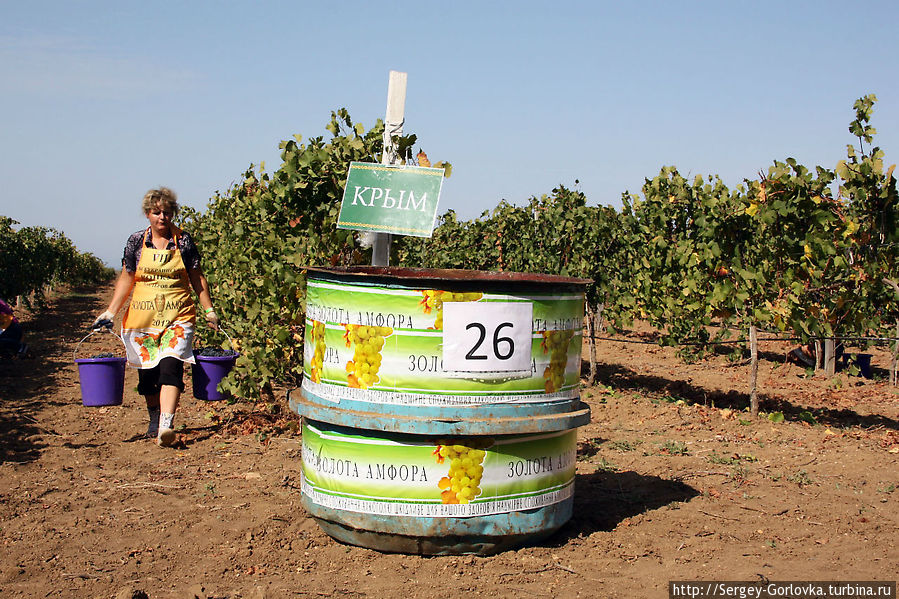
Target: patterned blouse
{"x":134,"y":247}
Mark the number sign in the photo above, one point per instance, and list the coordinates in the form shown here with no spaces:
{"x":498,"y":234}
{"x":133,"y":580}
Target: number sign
{"x":487,"y":336}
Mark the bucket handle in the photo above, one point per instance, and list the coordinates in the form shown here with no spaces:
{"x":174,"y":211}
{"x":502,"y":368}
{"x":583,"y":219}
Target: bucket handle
{"x":98,"y":329}
{"x":221,"y":329}
{"x":230,"y":341}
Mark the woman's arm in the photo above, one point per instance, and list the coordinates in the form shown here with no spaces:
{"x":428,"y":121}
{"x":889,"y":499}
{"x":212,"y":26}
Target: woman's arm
{"x":123,"y":286}
{"x":201,"y":287}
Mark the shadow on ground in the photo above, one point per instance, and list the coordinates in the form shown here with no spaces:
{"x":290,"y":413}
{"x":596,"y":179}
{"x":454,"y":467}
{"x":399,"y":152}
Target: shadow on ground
{"x":621,"y":378}
{"x":28,"y":385}
{"x":604,"y":499}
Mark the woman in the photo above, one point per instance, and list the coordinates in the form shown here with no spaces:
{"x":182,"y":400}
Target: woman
{"x":160,"y":265}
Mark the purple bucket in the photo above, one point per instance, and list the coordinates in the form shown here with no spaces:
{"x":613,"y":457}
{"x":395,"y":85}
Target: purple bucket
{"x":208,"y":372}
{"x":102,"y":381}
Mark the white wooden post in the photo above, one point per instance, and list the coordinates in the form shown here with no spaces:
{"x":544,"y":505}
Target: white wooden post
{"x":393,"y":126}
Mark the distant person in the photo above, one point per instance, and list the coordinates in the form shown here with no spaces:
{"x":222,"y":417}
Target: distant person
{"x":159,"y":267}
{"x":11,"y":334}
{"x":806,"y":355}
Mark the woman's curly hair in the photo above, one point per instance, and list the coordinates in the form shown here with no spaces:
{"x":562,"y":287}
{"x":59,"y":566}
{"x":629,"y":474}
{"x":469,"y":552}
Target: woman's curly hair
{"x":163,"y":197}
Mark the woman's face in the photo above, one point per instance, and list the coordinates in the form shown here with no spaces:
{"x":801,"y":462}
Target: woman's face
{"x":159,"y":220}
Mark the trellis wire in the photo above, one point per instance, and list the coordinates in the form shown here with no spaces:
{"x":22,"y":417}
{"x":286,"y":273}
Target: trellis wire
{"x":744,"y":340}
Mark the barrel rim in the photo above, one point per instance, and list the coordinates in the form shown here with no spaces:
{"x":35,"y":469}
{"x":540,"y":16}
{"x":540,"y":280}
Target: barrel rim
{"x":445,"y":274}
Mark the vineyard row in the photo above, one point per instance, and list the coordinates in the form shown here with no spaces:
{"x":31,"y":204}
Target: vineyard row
{"x":807,"y":252}
{"x":35,"y":259}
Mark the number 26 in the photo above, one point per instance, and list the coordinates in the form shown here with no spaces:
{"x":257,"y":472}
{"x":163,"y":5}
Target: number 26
{"x":497,"y":340}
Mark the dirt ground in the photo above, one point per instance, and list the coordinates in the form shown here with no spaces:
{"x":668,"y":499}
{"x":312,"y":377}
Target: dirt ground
{"x":675,"y":482}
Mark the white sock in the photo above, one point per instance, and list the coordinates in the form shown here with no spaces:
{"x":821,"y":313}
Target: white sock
{"x":154,"y":422}
{"x":165,"y":420}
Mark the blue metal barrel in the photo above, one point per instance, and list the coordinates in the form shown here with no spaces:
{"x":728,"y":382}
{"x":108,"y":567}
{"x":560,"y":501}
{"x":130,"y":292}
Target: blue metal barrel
{"x":440,"y":407}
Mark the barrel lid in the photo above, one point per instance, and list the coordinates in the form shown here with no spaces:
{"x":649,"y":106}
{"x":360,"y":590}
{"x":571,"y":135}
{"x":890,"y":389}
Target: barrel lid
{"x":401,"y":275}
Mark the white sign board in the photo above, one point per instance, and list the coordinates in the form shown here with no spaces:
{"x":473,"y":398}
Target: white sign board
{"x":484,"y":337}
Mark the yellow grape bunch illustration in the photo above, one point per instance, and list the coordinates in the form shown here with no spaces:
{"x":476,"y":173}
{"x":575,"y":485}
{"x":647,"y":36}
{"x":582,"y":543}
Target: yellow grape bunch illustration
{"x":556,"y":343}
{"x":318,"y":343}
{"x":433,"y":299}
{"x":362,"y":370}
{"x":466,"y":467}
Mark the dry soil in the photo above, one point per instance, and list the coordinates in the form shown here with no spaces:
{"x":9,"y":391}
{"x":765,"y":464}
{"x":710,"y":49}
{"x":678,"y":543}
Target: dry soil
{"x":675,"y":482}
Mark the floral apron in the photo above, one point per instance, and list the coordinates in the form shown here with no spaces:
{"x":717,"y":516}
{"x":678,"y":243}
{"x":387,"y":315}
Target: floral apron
{"x":161,"y":317}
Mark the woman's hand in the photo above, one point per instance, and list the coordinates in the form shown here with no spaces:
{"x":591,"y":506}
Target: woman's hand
{"x":104,"y":320}
{"x":212,"y":320}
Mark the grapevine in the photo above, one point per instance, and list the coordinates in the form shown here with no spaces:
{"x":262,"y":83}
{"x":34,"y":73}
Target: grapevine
{"x":34,"y":259}
{"x":780,"y":250}
{"x":286,"y":219}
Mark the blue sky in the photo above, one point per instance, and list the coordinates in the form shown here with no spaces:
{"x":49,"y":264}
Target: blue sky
{"x":104,"y":100}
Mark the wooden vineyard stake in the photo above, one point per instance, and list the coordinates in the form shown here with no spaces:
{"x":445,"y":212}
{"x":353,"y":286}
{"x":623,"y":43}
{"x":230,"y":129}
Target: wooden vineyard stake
{"x":754,"y":372}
